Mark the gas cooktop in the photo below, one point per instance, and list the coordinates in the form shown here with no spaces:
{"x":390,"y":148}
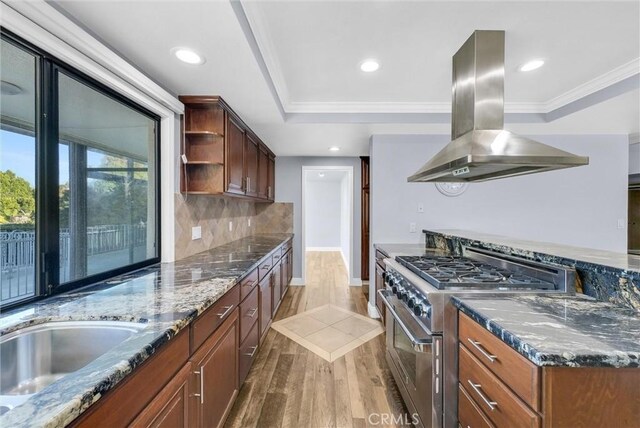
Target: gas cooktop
{"x":454,"y":272}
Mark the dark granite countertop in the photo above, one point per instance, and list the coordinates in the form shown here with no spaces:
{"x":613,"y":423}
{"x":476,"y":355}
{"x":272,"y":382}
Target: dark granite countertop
{"x":571,"y":331}
{"x":164,"y":297}
{"x":393,"y":250}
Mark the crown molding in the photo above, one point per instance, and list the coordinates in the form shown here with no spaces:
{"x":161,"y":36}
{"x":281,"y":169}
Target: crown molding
{"x":603,"y":81}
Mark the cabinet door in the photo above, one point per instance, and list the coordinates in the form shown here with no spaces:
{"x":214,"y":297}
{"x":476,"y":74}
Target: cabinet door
{"x":290,"y":275}
{"x":215,"y":366}
{"x":379,"y":286}
{"x":170,"y":408}
{"x":265,"y":304}
{"x":251,"y":165}
{"x":284,"y":272}
{"x":263,"y":172}
{"x":234,"y":157}
{"x":276,"y":292}
{"x":271,"y":173}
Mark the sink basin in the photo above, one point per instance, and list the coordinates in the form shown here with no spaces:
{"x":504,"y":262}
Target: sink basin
{"x":34,"y":357}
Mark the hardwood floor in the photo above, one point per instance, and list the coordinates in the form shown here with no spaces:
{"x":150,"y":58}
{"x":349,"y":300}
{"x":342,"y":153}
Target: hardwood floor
{"x":289,"y":386}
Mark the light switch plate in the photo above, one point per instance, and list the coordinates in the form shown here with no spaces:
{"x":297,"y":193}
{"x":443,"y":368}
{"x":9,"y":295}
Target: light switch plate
{"x":196,"y":233}
{"x":249,"y":221}
{"x":420,"y":208}
{"x":620,"y":223}
{"x":230,"y":226}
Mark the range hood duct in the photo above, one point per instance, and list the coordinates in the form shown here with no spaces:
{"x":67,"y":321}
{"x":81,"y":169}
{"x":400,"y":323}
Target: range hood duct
{"x":481,"y":149}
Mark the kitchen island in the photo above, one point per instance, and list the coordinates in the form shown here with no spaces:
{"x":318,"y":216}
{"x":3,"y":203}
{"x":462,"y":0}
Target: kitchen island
{"x":165,"y":298}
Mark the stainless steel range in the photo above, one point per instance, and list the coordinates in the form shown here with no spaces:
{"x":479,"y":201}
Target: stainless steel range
{"x":422,"y":325}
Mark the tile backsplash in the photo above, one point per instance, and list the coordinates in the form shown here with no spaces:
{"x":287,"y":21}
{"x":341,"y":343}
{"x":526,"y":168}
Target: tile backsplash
{"x":213,"y":215}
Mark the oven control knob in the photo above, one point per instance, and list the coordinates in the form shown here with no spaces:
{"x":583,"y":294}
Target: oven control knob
{"x":400,"y":291}
{"x":422,"y":310}
{"x":411,"y":300}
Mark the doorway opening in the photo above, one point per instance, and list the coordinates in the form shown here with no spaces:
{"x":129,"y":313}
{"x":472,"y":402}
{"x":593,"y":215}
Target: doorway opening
{"x":633,"y":241}
{"x":327,"y":213}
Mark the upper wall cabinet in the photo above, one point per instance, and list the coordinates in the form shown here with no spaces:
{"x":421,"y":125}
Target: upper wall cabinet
{"x":222,"y":155}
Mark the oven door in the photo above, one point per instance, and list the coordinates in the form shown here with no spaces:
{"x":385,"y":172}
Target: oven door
{"x":414,"y":358}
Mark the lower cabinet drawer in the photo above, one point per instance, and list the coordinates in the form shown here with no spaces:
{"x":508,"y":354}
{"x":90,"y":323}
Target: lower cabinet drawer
{"x":469,"y":414}
{"x":501,"y":406}
{"x":213,"y":317}
{"x":248,"y":313}
{"x":248,"y":351}
{"x":248,"y":283}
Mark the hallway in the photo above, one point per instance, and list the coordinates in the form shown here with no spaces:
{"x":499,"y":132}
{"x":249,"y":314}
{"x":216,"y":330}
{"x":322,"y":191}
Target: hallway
{"x":290,"y":386}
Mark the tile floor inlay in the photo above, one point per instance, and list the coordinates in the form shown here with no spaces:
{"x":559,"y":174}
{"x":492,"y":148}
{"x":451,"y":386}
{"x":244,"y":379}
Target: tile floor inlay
{"x":329,"y":331}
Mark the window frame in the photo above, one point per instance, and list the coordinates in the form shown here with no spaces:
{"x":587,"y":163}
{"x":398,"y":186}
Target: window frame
{"x":47,"y":224}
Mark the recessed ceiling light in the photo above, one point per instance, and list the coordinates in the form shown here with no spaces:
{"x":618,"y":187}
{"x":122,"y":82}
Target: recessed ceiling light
{"x":369,"y":65}
{"x":532,"y":65}
{"x":189,"y":56}
{"x":8,"y":88}
{"x":321,"y":174}
{"x":334,"y":149}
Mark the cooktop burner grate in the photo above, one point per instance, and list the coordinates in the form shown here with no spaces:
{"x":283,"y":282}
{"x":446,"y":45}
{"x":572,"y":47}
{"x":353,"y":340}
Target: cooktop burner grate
{"x":461,"y":272}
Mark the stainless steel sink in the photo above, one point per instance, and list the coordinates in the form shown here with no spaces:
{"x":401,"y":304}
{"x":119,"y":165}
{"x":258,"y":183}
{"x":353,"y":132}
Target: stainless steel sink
{"x":37,"y":356}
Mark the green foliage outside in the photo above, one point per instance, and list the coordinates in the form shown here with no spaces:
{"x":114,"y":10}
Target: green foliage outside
{"x":17,"y":199}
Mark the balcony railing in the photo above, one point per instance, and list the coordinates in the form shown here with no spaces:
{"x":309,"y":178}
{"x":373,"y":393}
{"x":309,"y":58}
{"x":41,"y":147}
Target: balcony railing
{"x":18,"y":255}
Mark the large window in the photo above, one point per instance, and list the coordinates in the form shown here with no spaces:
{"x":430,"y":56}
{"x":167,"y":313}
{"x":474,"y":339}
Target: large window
{"x":79,"y":174}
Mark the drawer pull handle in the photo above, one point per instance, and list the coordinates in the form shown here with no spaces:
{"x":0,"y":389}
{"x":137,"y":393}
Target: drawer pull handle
{"x":252,"y":313}
{"x":201,"y":395}
{"x":266,"y":267}
{"x":255,"y":348}
{"x":476,"y":387}
{"x":250,"y":284}
{"x":480,"y":349}
{"x":227,"y":309}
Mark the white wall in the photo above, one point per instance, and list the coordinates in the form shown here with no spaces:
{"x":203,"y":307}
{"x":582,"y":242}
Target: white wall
{"x":634,"y":159}
{"x":345,"y":208}
{"x":323,"y":201}
{"x":289,"y":189}
{"x":578,"y":206}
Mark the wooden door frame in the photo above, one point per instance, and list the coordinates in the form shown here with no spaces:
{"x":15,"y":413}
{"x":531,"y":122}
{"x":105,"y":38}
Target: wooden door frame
{"x":349,"y":170}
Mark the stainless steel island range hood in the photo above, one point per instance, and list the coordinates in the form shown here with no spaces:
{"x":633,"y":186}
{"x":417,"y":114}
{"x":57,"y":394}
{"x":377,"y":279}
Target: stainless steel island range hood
{"x":481,"y":149}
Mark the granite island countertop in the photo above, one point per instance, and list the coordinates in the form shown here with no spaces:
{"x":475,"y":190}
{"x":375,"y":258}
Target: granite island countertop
{"x":570,"y":331}
{"x":393,"y":250}
{"x":165,"y":298}
{"x":605,"y":275}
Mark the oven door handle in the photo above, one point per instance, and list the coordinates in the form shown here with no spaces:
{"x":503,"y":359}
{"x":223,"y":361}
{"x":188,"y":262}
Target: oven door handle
{"x":419,"y":344}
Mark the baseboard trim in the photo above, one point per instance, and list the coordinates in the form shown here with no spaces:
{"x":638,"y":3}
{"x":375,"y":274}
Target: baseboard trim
{"x":373,"y":311}
{"x":355,"y":282}
{"x":297,"y":282}
{"x":332,"y":249}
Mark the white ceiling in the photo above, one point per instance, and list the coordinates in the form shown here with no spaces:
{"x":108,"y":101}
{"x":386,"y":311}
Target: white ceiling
{"x":312,"y":51}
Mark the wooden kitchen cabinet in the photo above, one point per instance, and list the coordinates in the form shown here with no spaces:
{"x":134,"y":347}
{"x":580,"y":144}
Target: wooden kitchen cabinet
{"x":223,"y":156}
{"x":170,"y":408}
{"x":265,"y":305}
{"x":499,"y":387}
{"x":263,"y":172}
{"x":234,"y":157}
{"x":215,"y":366}
{"x":271,"y":175}
{"x":251,"y":165}
{"x":379,"y":283}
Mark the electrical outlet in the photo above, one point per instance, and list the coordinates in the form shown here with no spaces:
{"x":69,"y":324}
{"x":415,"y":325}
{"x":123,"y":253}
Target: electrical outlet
{"x":249,"y":222}
{"x":620,"y":223}
{"x":196,"y":233}
{"x":184,"y":158}
{"x":420,"y":208}
{"x":230,"y":226}
{"x":412,"y":228}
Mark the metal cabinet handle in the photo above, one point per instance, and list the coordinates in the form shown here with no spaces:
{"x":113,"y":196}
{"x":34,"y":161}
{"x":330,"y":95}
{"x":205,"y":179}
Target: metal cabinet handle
{"x":266,"y":267}
{"x":248,"y":184}
{"x":227,"y":309}
{"x":477,"y":345}
{"x":250,"y":284}
{"x":476,"y":387}
{"x":255,"y":348}
{"x":252,"y":313}
{"x":201,"y":395}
